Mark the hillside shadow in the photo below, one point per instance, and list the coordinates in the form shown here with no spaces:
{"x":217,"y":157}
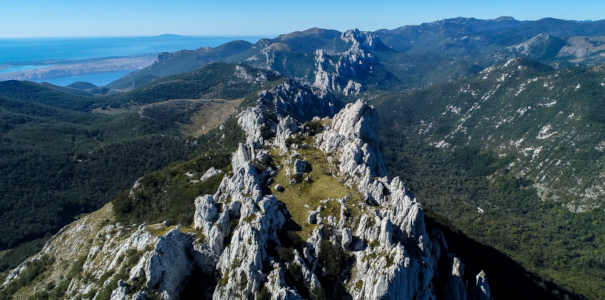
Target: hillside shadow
{"x":506,"y":278}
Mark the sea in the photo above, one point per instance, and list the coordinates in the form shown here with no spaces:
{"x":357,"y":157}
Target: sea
{"x":20,"y":54}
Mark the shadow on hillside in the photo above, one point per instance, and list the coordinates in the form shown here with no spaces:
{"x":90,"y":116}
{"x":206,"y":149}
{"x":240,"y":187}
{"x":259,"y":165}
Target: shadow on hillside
{"x":506,"y":278}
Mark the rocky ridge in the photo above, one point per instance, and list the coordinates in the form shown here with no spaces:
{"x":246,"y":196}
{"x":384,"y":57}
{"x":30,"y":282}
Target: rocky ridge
{"x":356,"y":61}
{"x":368,"y":243}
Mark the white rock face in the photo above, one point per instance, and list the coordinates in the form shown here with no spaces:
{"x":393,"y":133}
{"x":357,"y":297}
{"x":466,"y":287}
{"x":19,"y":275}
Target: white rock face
{"x":354,"y":139}
{"x":242,"y":156}
{"x":357,"y":60}
{"x":286,"y":127}
{"x":276,"y":285}
{"x":242,"y":261}
{"x":121,"y":293}
{"x":236,"y":229}
{"x":250,"y":121}
{"x":352,"y":88}
{"x":456,"y":289}
{"x":534,"y":47}
{"x":210,"y":173}
{"x":299,"y":101}
{"x":168,"y":269}
{"x":386,"y":268}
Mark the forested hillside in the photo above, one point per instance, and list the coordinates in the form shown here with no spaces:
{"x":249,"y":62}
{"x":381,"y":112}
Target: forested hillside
{"x":511,"y":157}
{"x":59,"y":160}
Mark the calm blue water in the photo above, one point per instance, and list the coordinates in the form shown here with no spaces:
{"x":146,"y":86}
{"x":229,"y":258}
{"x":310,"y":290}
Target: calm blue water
{"x":23,"y":51}
{"x":99,"y":79}
{"x":40,"y":49}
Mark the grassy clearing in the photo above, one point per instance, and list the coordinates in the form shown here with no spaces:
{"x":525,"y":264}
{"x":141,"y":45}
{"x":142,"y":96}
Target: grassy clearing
{"x":209,"y":116}
{"x":324,"y":186}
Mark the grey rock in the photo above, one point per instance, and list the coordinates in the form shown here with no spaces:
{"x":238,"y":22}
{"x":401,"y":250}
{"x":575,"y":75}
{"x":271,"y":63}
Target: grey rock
{"x":300,"y":101}
{"x":121,"y":293}
{"x":210,"y":173}
{"x":276,"y":284}
{"x":347,"y":238}
{"x":481,"y":290}
{"x":354,"y":137}
{"x":279,"y":188}
{"x":301,"y":167}
{"x":206,"y":212}
{"x":168,"y":269}
{"x":140,"y":295}
{"x":242,"y":156}
{"x":251,"y":121}
{"x":455,"y":288}
{"x":286,"y":127}
{"x":247,"y":247}
{"x":352,"y":88}
{"x":312,"y":218}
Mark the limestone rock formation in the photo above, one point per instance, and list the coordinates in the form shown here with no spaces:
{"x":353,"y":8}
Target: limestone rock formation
{"x":355,"y":62}
{"x":299,"y":101}
{"x":370,"y":242}
{"x":354,"y":138}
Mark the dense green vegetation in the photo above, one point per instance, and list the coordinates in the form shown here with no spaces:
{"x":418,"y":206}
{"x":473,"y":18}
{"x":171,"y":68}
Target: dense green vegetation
{"x":39,"y":93}
{"x":169,"y":195}
{"x":181,"y":62}
{"x":454,"y":182}
{"x":212,"y":81}
{"x":58,"y":160}
{"x":34,"y":269}
{"x":543,"y":236}
{"x":57,"y":163}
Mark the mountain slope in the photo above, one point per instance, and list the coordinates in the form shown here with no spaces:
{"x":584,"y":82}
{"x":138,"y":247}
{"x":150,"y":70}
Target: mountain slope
{"x":508,"y":156}
{"x":179,"y":62}
{"x":59,"y":163}
{"x":252,"y":240}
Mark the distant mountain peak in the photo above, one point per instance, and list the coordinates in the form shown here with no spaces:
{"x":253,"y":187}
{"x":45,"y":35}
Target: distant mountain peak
{"x":505,"y":18}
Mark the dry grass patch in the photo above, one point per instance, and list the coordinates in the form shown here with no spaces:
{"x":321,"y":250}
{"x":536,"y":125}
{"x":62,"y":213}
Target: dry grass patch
{"x":209,"y":116}
{"x":324,"y":186}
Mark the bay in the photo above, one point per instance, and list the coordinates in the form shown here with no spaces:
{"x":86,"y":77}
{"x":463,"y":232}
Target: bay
{"x":20,"y":50}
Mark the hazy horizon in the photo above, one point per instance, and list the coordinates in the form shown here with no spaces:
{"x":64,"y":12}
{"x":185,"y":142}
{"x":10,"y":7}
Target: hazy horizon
{"x":138,"y":18}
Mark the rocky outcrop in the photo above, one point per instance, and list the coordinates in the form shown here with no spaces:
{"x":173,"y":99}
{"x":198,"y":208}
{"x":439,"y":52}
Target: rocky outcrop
{"x":242,"y":156}
{"x":299,"y":101}
{"x":169,"y":267}
{"x":360,"y":39}
{"x":243,"y":75}
{"x":237,"y":239}
{"x":455,"y":288}
{"x":481,"y":290}
{"x":286,"y":127}
{"x":210,"y":173}
{"x":356,"y":62}
{"x":541,"y":46}
{"x":353,"y":138}
{"x":250,"y":121}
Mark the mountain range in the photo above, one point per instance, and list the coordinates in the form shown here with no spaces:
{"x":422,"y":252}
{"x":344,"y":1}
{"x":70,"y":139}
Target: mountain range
{"x":317,"y":164}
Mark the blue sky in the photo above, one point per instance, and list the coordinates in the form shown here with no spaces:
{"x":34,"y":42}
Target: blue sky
{"x":45,"y":18}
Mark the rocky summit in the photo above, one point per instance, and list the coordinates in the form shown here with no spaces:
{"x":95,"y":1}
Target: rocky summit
{"x":306,"y":212}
